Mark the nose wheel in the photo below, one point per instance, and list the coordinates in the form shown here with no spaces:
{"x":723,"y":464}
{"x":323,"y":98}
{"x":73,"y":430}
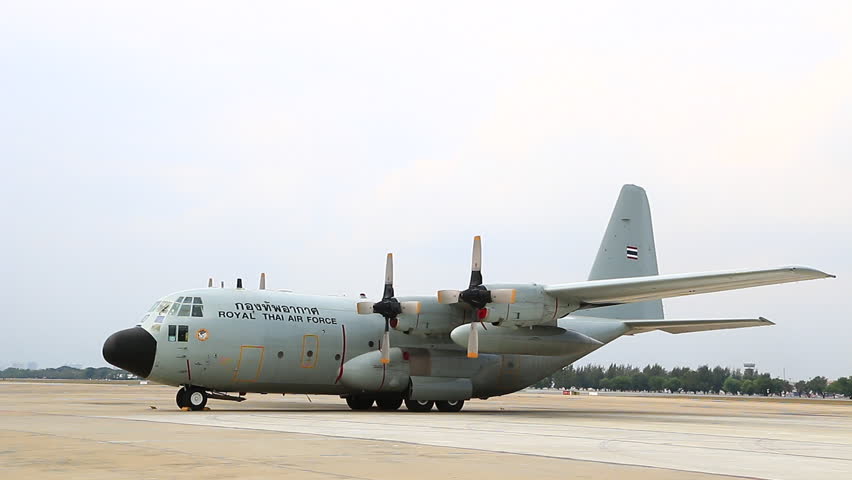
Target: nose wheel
{"x":193,"y":398}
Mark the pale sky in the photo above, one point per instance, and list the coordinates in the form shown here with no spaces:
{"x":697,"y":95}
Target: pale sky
{"x":147,"y":146}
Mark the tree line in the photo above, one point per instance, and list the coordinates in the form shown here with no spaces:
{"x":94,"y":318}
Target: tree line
{"x":66,"y":373}
{"x":652,"y":378}
{"x":655,"y":378}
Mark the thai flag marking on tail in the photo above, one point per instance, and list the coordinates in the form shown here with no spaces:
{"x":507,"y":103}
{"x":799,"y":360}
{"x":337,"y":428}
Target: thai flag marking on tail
{"x":632,"y":252}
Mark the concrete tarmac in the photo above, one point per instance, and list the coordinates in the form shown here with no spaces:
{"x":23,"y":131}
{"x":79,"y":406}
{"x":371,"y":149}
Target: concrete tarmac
{"x":111,"y":431}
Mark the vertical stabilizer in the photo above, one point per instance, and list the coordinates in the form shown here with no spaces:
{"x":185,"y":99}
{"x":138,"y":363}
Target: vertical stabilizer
{"x":628,"y":250}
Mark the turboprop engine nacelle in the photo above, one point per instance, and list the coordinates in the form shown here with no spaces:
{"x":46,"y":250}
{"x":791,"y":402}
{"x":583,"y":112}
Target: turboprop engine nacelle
{"x":433,"y":318}
{"x":532,"y":306}
{"x":538,"y":340}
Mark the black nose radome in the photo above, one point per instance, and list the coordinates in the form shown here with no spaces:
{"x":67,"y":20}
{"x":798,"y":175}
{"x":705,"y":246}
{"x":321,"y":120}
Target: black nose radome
{"x":132,"y":349}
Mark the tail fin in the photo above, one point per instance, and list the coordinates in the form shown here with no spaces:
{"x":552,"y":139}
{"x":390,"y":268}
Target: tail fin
{"x":628,"y":250}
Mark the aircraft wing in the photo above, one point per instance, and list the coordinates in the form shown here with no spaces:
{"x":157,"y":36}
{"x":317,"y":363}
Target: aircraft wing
{"x":687,"y":326}
{"x":600,"y":293}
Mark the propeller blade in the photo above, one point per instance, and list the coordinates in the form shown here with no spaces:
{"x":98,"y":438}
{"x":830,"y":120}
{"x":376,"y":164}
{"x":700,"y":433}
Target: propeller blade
{"x":410,"y":308}
{"x":503,"y":295}
{"x":473,"y":341}
{"x":476,"y":264}
{"x":210,"y":282}
{"x":448,"y":296}
{"x":386,"y":345}
{"x":263,"y":281}
{"x":388,"y":278}
{"x":365,"y":308}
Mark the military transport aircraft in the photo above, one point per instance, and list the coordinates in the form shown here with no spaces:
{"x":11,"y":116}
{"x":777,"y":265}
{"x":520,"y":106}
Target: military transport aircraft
{"x":436,"y":350}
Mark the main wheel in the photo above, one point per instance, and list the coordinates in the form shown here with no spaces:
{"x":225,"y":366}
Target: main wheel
{"x":357,"y":402}
{"x":450,"y":405}
{"x":419,"y":405}
{"x":196,"y":399}
{"x":389,"y":403}
{"x":180,"y":398}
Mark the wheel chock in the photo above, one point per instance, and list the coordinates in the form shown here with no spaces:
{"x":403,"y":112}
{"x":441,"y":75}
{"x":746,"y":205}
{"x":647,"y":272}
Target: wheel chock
{"x":206,"y":409}
{"x":184,"y":409}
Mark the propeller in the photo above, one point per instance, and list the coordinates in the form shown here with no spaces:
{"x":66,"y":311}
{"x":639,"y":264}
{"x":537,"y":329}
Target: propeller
{"x":262,"y":281}
{"x":477,"y":296}
{"x":388,"y":307}
{"x":210,"y":282}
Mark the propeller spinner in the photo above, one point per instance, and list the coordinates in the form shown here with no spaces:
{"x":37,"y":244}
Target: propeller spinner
{"x":477,"y":296}
{"x":389,"y":308}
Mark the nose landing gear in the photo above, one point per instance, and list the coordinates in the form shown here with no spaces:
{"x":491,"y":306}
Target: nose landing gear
{"x":193,"y":398}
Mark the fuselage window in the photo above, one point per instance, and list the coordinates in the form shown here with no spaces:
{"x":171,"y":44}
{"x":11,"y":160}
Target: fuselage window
{"x":172,"y":333}
{"x":183,"y":333}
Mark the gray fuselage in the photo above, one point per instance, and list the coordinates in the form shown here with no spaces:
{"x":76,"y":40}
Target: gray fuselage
{"x":280,"y":342}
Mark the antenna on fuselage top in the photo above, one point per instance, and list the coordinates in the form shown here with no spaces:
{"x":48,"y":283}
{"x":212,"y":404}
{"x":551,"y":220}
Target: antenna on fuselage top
{"x":239,"y":284}
{"x":210,"y":282}
{"x":263,"y":281}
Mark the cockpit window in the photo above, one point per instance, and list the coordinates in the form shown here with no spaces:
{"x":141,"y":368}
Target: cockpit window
{"x":154,"y":306}
{"x":163,"y":308}
{"x":174,"y":309}
{"x":190,"y":306}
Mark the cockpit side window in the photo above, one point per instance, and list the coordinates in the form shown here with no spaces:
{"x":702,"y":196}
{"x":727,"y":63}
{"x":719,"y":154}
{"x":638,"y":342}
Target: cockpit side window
{"x":183,"y":333}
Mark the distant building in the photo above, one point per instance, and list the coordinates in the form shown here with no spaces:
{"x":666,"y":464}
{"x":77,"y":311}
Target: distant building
{"x":749,"y":369}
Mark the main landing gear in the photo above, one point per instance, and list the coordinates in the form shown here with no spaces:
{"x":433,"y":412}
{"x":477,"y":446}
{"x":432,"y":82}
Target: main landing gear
{"x":360,"y":402}
{"x":419,"y":405}
{"x":193,"y":398}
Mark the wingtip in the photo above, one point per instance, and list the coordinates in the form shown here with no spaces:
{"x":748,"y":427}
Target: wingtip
{"x":766,"y":320}
{"x":813,"y":272}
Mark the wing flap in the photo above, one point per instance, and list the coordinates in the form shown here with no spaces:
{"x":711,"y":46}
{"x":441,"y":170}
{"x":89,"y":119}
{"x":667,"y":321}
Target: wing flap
{"x":693,"y":325}
{"x":617,"y":291}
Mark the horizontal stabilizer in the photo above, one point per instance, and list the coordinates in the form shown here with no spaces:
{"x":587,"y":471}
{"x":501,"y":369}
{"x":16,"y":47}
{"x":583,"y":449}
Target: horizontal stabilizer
{"x":600,"y":293}
{"x":694,"y":325}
